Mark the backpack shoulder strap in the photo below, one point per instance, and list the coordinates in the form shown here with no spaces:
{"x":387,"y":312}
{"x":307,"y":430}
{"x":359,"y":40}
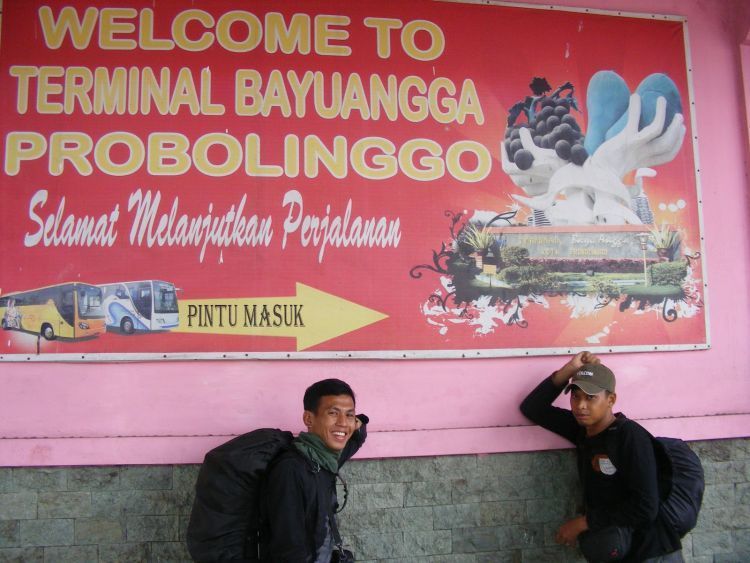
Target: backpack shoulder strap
{"x":663,"y":461}
{"x":613,"y":432}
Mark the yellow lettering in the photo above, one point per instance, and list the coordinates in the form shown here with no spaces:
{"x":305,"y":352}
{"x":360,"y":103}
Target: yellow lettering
{"x":184,"y":93}
{"x":443,"y":109}
{"x":383,"y":27}
{"x":437,"y":40}
{"x":355,"y":98}
{"x":110,"y":92}
{"x":207,"y":107}
{"x":155,"y":90}
{"x":325,"y":33}
{"x":21,"y":146}
{"x":419,"y":112}
{"x":224,"y":35}
{"x":316,"y":152}
{"x":247,"y":84}
{"x":67,"y":22}
{"x":469,"y":103}
{"x":228,"y":143}
{"x":296,"y":37}
{"x":300,"y":88}
{"x":380,"y":97}
{"x":432,"y":166}
{"x":146,"y":34}
{"x":334,"y":109}
{"x":179,"y":30}
{"x":45,"y":89}
{"x":23,"y":74}
{"x":167,"y":154}
{"x":73,"y":147}
{"x":78,"y":82}
{"x":109,"y":27}
{"x":291,"y":156}
{"x":275,"y":95}
{"x":134,"y":160}
{"x":383,"y":163}
{"x":453,"y":161}
{"x":253,"y":167}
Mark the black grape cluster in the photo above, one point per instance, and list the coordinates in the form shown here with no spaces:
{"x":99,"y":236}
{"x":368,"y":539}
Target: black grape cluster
{"x":551,"y":127}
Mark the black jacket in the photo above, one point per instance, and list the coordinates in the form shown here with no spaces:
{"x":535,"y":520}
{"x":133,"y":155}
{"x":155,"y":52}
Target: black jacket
{"x":618,"y":471}
{"x":297,"y":498}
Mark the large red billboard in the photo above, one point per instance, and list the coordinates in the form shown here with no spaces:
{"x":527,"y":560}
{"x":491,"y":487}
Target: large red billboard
{"x":344,"y":179}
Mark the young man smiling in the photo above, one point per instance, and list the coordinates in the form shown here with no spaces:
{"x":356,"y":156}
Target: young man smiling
{"x":299,"y":496}
{"x":621,"y":520}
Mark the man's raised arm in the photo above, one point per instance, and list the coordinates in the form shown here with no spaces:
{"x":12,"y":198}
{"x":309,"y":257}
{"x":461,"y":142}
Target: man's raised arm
{"x":537,"y":406}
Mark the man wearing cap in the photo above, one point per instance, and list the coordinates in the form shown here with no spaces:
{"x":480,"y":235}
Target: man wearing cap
{"x":621,"y":502}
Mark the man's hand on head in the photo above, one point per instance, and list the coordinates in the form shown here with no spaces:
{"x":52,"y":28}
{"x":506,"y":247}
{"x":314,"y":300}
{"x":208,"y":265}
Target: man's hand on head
{"x":562,"y":375}
{"x":589,"y":358}
{"x":575,"y":363}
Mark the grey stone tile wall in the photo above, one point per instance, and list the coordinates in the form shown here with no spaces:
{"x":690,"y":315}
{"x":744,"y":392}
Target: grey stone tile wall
{"x":456,"y":509}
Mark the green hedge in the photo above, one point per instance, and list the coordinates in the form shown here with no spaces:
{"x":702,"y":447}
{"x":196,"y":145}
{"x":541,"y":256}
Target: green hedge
{"x":602,"y":266}
{"x":530,"y":279}
{"x":668,"y":273}
{"x":514,"y":256}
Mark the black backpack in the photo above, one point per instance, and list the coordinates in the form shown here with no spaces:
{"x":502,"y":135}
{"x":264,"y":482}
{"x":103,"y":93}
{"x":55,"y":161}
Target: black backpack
{"x":681,"y":483}
{"x":224,"y":521}
{"x":680,"y":477}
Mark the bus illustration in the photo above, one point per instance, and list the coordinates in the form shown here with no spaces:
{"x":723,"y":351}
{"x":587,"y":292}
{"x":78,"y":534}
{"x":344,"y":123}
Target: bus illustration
{"x":147,"y":305}
{"x":68,"y":310}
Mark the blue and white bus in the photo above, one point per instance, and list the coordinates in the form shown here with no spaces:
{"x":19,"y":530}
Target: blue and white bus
{"x":146,"y":305}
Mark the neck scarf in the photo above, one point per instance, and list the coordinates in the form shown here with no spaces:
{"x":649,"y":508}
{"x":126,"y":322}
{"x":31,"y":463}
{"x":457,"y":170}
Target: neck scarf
{"x":314,"y":449}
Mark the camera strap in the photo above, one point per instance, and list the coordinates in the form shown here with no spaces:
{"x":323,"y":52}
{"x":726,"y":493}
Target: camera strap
{"x":332,"y":520}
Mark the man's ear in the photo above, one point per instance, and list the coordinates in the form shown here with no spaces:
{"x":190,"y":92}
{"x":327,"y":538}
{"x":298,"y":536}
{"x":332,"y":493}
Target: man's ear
{"x":612,"y":399}
{"x":307,"y":418}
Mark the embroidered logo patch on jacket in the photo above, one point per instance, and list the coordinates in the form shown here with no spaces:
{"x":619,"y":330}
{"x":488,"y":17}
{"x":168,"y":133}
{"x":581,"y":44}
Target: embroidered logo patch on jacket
{"x":602,"y":464}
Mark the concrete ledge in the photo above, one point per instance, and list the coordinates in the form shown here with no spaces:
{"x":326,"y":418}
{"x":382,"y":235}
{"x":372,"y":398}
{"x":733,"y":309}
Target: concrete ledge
{"x":157,"y":450}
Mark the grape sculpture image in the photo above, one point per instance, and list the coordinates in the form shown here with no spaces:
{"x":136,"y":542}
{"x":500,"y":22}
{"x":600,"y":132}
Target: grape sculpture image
{"x":550,"y":123}
{"x":575,"y":177}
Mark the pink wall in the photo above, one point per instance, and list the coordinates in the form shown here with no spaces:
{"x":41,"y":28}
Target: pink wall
{"x":60,"y":414}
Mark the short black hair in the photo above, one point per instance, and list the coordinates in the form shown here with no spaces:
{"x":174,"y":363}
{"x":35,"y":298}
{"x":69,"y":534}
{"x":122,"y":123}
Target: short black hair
{"x":321,"y":389}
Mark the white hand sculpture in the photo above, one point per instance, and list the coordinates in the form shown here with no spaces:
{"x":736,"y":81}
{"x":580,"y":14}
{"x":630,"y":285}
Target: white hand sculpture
{"x":631,"y":148}
{"x":535,"y":180}
{"x":595,"y":193}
